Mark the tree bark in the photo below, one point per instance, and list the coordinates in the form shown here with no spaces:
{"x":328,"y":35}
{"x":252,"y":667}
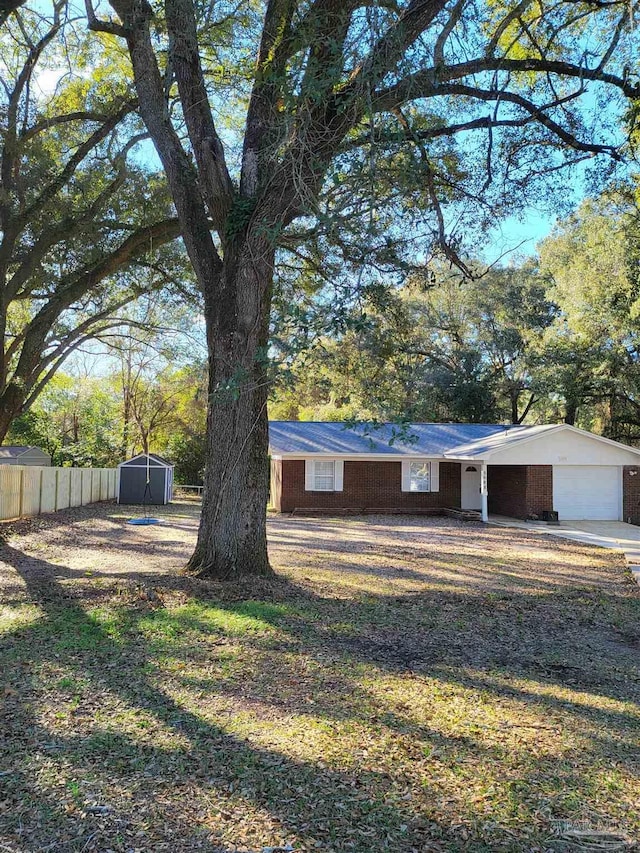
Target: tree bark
{"x":237,"y":297}
{"x":11,"y":402}
{"x":570,"y":412}
{"x":515,"y":397}
{"x":232,"y":538}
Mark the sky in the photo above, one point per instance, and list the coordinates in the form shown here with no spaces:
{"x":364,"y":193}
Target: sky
{"x":518,"y":236}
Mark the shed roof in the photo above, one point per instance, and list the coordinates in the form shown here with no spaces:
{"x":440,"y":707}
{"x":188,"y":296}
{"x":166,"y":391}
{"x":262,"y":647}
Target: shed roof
{"x":140,"y":459}
{"x":12,"y":451}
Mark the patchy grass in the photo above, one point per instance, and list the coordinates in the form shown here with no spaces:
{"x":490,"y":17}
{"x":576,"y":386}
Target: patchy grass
{"x":404,"y":685}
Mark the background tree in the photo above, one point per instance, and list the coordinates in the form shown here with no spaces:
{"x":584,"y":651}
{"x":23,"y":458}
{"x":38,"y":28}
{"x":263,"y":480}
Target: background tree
{"x":590,"y":354}
{"x":76,"y":420}
{"x":80,"y":220}
{"x":79,"y":417}
{"x":459,"y":350}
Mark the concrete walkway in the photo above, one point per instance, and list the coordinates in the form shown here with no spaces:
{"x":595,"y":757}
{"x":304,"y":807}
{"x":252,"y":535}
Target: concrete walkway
{"x":606,"y":534}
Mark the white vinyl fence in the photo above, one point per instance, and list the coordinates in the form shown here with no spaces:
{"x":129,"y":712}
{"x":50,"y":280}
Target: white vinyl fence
{"x":29,"y":490}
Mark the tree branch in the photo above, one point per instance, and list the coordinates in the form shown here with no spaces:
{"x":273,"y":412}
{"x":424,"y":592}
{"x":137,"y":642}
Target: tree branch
{"x":100,"y":26}
{"x":427,"y":83}
{"x":215,"y":180}
{"x":50,"y":191}
{"x":54,"y":121}
{"x":181,"y":175}
{"x":34,"y":335}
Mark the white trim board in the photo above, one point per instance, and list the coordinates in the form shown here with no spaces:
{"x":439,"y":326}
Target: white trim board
{"x":362,"y":457}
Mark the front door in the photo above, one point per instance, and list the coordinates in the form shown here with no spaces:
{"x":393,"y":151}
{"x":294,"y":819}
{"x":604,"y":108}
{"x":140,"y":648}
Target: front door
{"x":470,"y":492}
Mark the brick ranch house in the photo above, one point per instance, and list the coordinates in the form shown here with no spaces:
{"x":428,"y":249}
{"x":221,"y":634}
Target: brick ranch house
{"x":517,"y":471}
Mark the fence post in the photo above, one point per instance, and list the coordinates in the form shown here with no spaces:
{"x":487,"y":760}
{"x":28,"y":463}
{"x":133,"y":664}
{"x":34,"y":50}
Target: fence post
{"x":40,"y":492}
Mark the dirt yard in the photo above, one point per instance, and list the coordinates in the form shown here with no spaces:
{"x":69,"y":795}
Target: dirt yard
{"x":404,"y":684}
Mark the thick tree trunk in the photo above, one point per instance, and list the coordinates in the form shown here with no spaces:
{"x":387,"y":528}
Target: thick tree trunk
{"x":6,"y":418}
{"x":570,"y":412}
{"x":232,"y":540}
{"x":236,"y":289}
{"x":515,"y":397}
{"x":11,"y":402}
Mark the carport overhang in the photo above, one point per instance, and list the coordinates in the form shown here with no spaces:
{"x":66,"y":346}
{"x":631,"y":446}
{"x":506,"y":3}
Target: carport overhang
{"x":555,"y":445}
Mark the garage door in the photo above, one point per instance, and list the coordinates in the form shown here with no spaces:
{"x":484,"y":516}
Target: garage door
{"x":591,"y":492}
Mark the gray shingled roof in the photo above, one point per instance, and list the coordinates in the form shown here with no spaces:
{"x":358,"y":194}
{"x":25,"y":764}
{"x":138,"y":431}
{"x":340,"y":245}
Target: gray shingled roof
{"x":14,"y":450}
{"x":309,"y":437}
{"x":499,"y":440}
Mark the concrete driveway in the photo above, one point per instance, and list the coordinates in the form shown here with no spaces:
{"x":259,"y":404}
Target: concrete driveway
{"x":607,"y":534}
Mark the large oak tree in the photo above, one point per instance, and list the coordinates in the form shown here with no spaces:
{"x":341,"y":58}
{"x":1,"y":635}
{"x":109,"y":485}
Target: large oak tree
{"x":524,"y":87}
{"x":81,"y":222}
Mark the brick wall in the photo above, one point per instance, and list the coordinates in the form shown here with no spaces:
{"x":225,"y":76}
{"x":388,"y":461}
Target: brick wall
{"x":507,"y":485}
{"x":631,"y":493}
{"x":369,"y":485}
{"x":539,"y":489}
{"x":520,"y":491}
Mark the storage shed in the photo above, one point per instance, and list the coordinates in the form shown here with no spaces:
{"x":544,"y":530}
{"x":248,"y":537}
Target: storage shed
{"x":23,"y":455}
{"x":146,"y":479}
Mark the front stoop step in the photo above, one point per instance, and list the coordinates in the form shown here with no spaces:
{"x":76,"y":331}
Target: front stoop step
{"x":463,"y":514}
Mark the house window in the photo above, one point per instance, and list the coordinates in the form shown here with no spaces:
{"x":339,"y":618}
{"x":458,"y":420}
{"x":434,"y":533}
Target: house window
{"x":420,"y":477}
{"x":324,"y":475}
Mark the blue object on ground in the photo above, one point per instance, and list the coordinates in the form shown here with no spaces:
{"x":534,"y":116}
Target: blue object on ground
{"x":144,"y":521}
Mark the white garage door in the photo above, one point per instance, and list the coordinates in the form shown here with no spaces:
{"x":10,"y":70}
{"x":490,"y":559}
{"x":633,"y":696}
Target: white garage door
{"x":589,"y":492}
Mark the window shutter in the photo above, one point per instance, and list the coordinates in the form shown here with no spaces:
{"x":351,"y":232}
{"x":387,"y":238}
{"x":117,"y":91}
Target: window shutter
{"x":308,"y":475}
{"x":435,"y":477}
{"x":338,"y":479}
{"x":406,"y":476}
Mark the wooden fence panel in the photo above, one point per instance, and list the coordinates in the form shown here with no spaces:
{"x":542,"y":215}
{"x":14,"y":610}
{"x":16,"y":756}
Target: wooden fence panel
{"x":62,"y":490}
{"x":75,"y":488}
{"x":10,"y":490}
{"x":86,"y":485}
{"x":104,"y":484}
{"x":48,"y":490}
{"x":31,"y":489}
{"x":95,"y":485}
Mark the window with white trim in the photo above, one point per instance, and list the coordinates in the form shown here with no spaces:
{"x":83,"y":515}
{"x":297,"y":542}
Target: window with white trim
{"x":324,"y":475}
{"x":420,"y":477}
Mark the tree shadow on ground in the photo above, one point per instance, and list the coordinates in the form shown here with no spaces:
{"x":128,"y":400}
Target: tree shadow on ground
{"x":52,"y":777}
{"x":145,"y":728}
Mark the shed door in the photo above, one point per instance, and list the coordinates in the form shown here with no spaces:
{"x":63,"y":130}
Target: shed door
{"x":587,"y":492}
